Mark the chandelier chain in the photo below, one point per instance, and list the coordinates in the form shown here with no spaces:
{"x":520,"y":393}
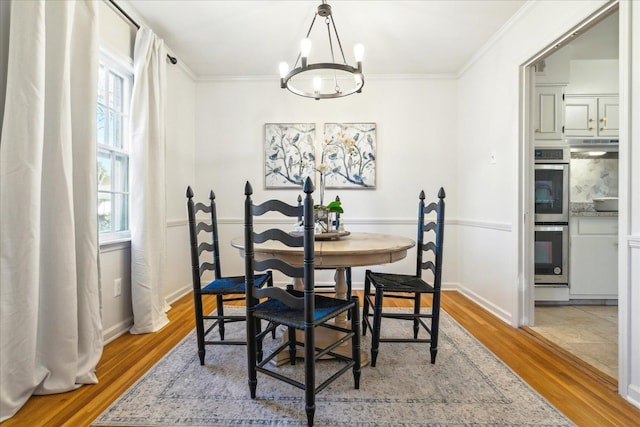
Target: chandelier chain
{"x":335,"y":30}
{"x":335,"y":74}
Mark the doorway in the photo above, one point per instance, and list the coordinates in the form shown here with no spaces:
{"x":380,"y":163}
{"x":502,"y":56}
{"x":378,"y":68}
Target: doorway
{"x":581,"y":67}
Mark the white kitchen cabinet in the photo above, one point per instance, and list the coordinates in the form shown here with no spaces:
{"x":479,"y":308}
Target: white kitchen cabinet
{"x":608,"y":116}
{"x":593,"y":258}
{"x":591,"y":116}
{"x":548,"y":112}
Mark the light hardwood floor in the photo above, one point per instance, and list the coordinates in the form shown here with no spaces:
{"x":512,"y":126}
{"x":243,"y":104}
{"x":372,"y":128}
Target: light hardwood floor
{"x":586,"y":396}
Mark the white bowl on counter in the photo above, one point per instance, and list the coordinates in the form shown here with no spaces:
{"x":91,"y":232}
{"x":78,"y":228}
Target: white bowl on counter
{"x":606,"y":204}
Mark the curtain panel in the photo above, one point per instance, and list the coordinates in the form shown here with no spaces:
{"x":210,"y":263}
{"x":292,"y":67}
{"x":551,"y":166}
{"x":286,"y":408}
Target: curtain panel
{"x":50,"y":323}
{"x":148,"y":203}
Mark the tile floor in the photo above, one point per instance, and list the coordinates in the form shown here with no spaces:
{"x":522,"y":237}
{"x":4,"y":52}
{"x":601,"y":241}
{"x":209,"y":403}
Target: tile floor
{"x":590,"y":332}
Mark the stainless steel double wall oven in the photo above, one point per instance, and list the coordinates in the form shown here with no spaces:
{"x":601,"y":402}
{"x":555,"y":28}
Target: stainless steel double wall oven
{"x":551,"y":251}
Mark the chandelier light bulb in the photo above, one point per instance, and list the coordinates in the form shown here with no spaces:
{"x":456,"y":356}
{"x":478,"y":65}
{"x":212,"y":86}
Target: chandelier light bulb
{"x":358,"y":79}
{"x":317,"y":84}
{"x":358,"y":52}
{"x":284,"y":69}
{"x":305,"y":47}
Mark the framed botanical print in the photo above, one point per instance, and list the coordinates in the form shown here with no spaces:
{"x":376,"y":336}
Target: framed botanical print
{"x":289,"y":154}
{"x":348,"y":155}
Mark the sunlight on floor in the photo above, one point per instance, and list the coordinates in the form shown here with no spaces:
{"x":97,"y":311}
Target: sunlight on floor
{"x":590,"y":332}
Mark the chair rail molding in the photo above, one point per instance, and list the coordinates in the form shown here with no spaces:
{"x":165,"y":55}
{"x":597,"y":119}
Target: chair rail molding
{"x":358,"y":221}
{"x":491,"y":225}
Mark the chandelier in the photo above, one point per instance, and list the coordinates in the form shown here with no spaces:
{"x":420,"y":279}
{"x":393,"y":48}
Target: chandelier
{"x":323,"y":80}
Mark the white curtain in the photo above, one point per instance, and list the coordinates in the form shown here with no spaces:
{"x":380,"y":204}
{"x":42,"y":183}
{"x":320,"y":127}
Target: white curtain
{"x":50,"y":325}
{"x":148,"y":216}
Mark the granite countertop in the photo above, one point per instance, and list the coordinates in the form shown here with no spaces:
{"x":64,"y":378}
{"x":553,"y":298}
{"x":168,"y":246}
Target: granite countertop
{"x":587,"y":209}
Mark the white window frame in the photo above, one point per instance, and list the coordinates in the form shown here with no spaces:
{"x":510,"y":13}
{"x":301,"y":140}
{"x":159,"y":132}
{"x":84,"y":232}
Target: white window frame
{"x":122,"y":67}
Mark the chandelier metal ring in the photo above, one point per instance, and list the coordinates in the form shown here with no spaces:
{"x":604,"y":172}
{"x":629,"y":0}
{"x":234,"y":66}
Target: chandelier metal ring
{"x":323,"y":66}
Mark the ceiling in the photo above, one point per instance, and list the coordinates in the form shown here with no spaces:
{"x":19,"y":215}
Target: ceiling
{"x":250,"y":38}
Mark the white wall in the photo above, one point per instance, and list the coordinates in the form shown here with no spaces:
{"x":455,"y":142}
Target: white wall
{"x":416,"y":134}
{"x":180,"y":172}
{"x":593,"y":77}
{"x":5,"y":10}
{"x":488,"y":116}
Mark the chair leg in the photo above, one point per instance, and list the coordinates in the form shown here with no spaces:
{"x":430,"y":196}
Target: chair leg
{"x":292,"y":345}
{"x":365,"y":303}
{"x":355,"y":342}
{"x":259,"y":353}
{"x":270,"y":285}
{"x":220,"y":309}
{"x":377,"y":321}
{"x":310,"y":410}
{"x":416,"y":312}
{"x":435,"y":326}
{"x":197,"y":302}
{"x":309,"y":374}
{"x":347,"y":273}
{"x":251,"y":354}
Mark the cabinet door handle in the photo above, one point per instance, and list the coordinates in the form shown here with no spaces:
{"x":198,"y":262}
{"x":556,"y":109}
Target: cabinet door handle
{"x":603,"y":128}
{"x":537,"y":130}
{"x":591,"y":119}
{"x":590,"y":127}
{"x":604,"y":119}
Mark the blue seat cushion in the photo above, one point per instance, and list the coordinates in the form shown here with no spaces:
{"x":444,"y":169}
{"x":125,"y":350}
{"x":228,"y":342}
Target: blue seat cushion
{"x":232,"y":285}
{"x":400,"y":282}
{"x":325,"y":309}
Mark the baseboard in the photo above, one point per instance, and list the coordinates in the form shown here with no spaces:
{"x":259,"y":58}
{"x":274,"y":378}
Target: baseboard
{"x":123,"y":327}
{"x":633,"y":395}
{"x":176,"y":295}
{"x":117,"y":330}
{"x":487,"y":305}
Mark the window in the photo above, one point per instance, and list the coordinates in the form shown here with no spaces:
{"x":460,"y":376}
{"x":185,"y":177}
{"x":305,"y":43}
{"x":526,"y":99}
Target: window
{"x":112,"y":114}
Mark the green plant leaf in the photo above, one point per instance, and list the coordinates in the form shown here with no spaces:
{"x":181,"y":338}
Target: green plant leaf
{"x":335,"y":206}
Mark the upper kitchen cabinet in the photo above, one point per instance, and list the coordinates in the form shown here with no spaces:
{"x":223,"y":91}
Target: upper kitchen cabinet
{"x":590,"y":116}
{"x":587,"y":70}
{"x":548,"y":112}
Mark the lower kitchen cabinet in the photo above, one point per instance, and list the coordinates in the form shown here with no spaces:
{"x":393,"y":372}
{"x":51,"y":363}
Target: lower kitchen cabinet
{"x":593,"y":258}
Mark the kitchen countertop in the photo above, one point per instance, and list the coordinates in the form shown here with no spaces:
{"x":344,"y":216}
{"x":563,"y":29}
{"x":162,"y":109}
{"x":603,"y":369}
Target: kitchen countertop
{"x":587,"y":209}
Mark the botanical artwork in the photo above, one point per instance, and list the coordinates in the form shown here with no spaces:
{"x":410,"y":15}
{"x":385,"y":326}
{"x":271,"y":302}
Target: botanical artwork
{"x":289,"y":154}
{"x":348,"y":155}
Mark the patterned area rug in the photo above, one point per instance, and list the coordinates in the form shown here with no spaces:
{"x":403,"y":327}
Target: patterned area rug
{"x":467,"y":386}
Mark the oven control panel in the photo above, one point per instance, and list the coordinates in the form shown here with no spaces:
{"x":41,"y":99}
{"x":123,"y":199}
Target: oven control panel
{"x":551,"y":155}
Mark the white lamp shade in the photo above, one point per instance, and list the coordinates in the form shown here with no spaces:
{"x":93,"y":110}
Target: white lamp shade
{"x":284,"y":69}
{"x":305,"y":47}
{"x":358,"y":52}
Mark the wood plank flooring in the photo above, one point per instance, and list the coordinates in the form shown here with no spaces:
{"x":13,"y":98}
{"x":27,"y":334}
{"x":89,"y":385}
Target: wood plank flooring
{"x":586,"y":396}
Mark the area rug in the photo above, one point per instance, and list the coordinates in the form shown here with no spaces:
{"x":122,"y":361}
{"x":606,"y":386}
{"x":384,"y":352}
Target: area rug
{"x":467,"y":386}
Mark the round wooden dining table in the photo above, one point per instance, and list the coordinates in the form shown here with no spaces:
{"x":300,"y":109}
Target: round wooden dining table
{"x":353,"y":250}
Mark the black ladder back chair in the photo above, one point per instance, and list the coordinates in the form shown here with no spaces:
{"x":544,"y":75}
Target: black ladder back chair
{"x":410,"y":286}
{"x":205,"y":256}
{"x":295,"y":310}
{"x":347,"y":270}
